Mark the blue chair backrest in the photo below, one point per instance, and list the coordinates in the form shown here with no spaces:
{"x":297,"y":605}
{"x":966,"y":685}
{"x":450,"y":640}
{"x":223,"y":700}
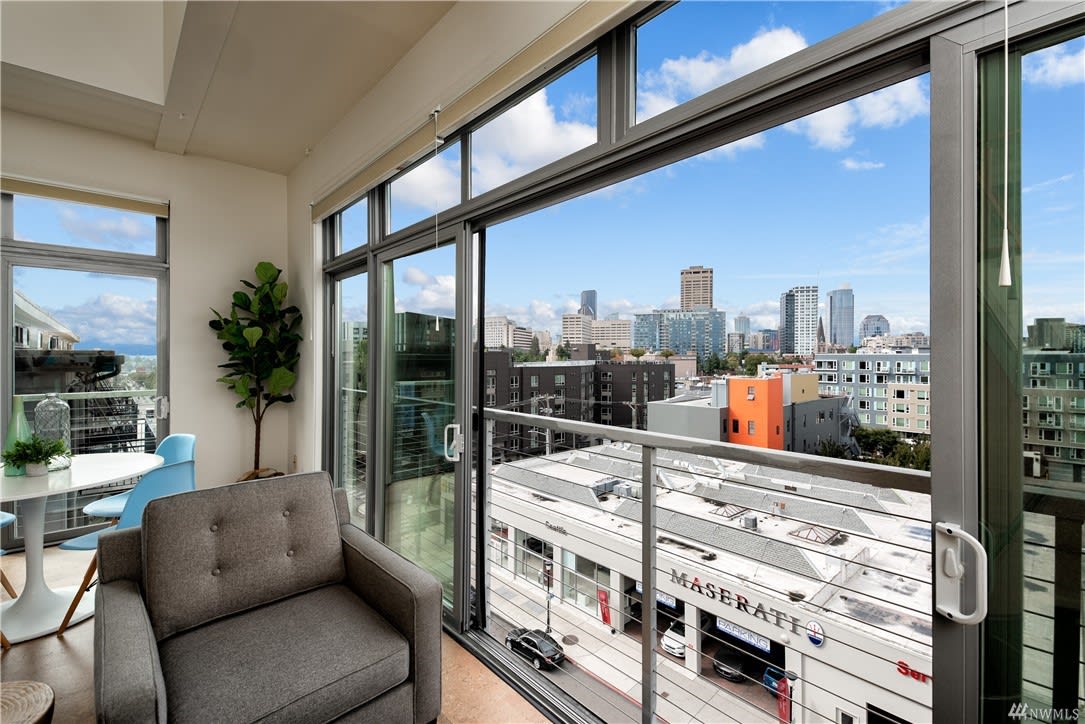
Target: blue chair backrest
{"x":177,"y":448}
{"x":434,"y":436}
{"x":6,"y":519}
{"x":160,"y":482}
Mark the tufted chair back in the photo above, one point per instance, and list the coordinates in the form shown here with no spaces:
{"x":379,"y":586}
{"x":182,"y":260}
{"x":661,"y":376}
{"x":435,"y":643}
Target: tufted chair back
{"x":215,"y":552}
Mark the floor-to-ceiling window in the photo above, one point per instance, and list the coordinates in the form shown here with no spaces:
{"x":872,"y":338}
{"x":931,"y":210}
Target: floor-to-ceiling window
{"x":85,"y":294}
{"x":759,"y":183}
{"x":1033,"y":367}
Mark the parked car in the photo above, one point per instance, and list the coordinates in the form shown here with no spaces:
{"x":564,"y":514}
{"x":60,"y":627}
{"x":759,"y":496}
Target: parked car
{"x":770,"y":677}
{"x":674,"y":640}
{"x":733,"y":665}
{"x":536,"y":646}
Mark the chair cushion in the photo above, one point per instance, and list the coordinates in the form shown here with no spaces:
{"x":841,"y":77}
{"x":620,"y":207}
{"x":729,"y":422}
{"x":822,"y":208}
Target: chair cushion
{"x":311,"y":657}
{"x":214,"y":552}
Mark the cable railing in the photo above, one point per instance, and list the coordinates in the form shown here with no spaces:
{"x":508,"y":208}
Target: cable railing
{"x":811,"y":571}
{"x":118,"y":420}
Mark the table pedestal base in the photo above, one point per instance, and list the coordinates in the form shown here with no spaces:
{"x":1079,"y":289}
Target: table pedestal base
{"x":40,"y":614}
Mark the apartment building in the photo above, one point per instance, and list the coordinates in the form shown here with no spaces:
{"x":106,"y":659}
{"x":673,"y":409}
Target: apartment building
{"x":799,"y":320}
{"x":695,"y":288}
{"x":701,"y":331}
{"x":1053,"y":414}
{"x":887,"y":390}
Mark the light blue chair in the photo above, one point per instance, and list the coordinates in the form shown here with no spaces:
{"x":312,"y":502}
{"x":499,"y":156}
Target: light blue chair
{"x":170,"y":479}
{"x":173,"y":448}
{"x":6,"y":519}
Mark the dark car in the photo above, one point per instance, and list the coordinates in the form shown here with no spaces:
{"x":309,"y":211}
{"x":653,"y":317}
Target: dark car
{"x":732,"y":665}
{"x":770,"y":677}
{"x":536,"y":646}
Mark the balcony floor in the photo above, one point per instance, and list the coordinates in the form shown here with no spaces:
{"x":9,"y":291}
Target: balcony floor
{"x":470,"y":692}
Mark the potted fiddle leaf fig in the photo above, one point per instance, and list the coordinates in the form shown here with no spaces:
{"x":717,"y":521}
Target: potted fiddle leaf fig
{"x":34,"y":454}
{"x":261,"y":337}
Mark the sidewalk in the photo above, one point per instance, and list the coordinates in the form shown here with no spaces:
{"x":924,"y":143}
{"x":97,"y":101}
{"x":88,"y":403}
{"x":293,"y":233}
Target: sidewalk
{"x":614,"y":658}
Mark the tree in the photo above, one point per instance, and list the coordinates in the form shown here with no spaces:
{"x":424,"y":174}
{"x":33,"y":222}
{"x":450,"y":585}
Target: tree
{"x":832,"y":449}
{"x":564,"y":352}
{"x":666,"y":353}
{"x":535,"y":351}
{"x":637,"y":352}
{"x":261,"y":340}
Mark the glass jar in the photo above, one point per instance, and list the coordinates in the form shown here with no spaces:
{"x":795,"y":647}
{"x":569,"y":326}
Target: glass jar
{"x":53,"y":421}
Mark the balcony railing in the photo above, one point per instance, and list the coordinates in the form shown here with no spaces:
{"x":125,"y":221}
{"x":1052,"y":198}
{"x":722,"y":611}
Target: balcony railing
{"x":102,"y":421}
{"x":784,"y":567}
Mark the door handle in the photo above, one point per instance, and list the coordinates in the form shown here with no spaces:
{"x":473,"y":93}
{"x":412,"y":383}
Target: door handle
{"x":949,"y":572}
{"x":453,"y":443}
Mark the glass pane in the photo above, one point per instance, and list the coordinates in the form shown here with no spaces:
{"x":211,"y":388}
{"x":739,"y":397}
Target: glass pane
{"x":1033,"y":367}
{"x":92,"y":339}
{"x":354,"y":226}
{"x":419,"y":309}
{"x":806,"y":227}
{"x":66,"y":223}
{"x":428,"y":188}
{"x":547,"y":125}
{"x":695,"y":47}
{"x":352,"y":441}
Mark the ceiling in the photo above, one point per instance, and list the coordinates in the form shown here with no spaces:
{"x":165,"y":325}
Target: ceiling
{"x":254,"y":83}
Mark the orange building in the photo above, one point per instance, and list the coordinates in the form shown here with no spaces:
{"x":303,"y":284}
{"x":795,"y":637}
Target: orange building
{"x":755,"y":411}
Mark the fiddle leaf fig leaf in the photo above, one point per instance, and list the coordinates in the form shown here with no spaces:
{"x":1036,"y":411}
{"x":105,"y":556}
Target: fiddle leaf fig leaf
{"x":253,"y":335}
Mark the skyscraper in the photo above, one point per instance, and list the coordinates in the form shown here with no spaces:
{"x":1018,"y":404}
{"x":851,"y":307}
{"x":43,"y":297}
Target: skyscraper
{"x":696,"y":283}
{"x":742,"y":325}
{"x":588,"y":304}
{"x":799,"y":320}
{"x":841,"y":310}
{"x":873,"y":325}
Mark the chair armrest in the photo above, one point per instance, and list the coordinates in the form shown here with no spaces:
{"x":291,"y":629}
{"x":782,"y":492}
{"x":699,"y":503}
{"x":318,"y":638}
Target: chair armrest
{"x":120,"y":555}
{"x":407,"y":597}
{"x":128,"y":682}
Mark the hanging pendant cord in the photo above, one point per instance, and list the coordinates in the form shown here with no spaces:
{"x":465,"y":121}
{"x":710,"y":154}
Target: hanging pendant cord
{"x":1005,"y":277}
{"x":436,"y":225}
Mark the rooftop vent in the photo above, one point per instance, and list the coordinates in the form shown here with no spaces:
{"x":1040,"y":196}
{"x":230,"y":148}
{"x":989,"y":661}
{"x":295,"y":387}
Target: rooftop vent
{"x":749,"y":521}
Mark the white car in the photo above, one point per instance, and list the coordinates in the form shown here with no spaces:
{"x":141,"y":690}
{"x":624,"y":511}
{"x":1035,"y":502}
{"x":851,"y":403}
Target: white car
{"x":674,"y":640}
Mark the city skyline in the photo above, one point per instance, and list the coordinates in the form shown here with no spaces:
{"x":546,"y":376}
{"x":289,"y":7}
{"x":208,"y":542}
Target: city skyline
{"x":840,"y":196}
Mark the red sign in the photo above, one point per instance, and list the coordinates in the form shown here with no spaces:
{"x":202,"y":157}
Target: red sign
{"x":604,"y":605}
{"x":783,"y":701}
{"x":906,"y":670}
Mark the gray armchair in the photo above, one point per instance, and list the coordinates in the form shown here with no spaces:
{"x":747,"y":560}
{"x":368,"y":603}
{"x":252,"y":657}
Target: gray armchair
{"x":260,"y":601}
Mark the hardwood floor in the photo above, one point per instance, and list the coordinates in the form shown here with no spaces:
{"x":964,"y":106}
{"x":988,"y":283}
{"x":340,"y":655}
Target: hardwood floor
{"x":470,"y":692}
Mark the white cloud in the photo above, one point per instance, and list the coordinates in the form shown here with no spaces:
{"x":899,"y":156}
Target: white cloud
{"x":524,"y":138}
{"x":730,"y":150}
{"x":1041,"y":185}
{"x":852,"y":164}
{"x":893,"y":249}
{"x":1054,"y":67}
{"x":417,"y":277}
{"x":679,"y":79}
{"x":834,"y":128}
{"x":763,"y":315}
{"x":113,"y":318}
{"x":123,"y":233}
{"x":432,"y":186}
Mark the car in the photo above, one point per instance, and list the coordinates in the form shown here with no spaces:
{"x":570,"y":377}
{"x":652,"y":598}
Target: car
{"x":536,"y":646}
{"x":770,"y":678}
{"x":674,"y":640}
{"x":731,"y":664}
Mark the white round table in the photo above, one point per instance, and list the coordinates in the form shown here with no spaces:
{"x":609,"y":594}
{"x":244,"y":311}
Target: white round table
{"x":39,"y":609}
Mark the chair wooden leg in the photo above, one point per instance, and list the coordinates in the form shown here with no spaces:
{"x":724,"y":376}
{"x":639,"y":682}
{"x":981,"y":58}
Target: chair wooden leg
{"x":79,"y":594}
{"x":4,"y":641}
{"x":7,"y":585}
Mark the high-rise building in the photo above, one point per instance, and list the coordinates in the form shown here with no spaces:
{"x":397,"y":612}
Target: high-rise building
{"x":742,"y":325}
{"x":701,"y":332}
{"x":696,"y":288}
{"x":873,"y":325}
{"x":612,"y":333}
{"x":576,"y":329}
{"x":841,"y":303}
{"x":799,"y":320}
{"x":589,"y":304}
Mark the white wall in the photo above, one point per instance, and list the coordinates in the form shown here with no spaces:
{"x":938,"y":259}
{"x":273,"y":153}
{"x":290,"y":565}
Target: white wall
{"x":224,"y":219}
{"x":469,"y":43}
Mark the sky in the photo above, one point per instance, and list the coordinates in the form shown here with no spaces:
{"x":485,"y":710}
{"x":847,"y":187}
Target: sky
{"x":837,"y":198}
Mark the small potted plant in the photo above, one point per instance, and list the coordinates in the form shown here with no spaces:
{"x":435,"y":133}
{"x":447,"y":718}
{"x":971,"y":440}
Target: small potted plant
{"x":34,"y":454}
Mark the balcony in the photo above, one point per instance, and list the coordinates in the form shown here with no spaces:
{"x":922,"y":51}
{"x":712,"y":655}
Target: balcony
{"x":787,"y":563}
